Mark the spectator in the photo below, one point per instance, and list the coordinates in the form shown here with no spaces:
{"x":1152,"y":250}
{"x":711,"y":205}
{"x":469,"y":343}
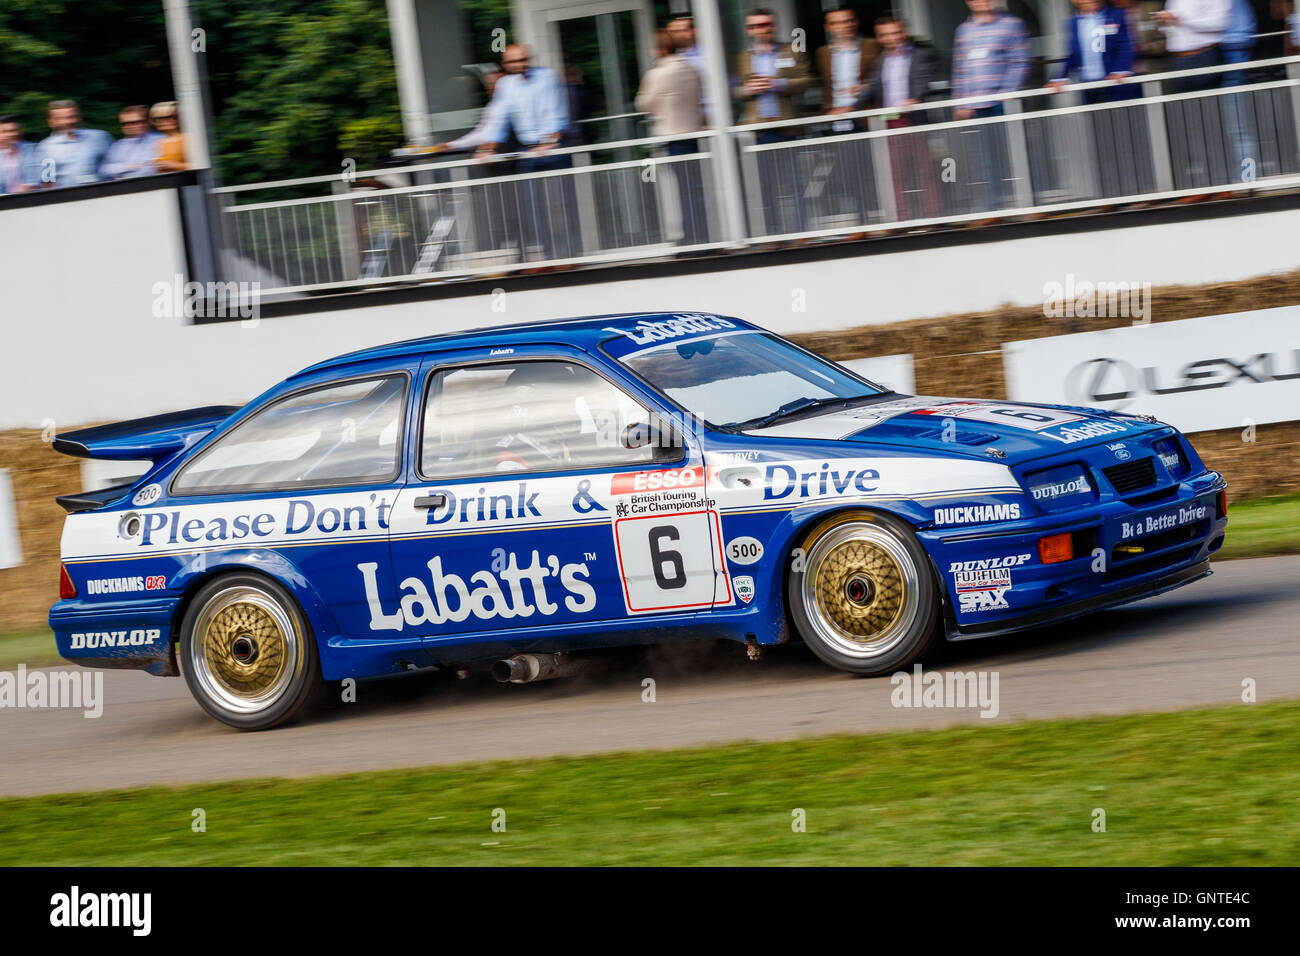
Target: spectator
{"x":990,"y":55}
{"x":533,"y":107}
{"x":1238,"y":122}
{"x":134,"y":154}
{"x":1238,"y":40}
{"x":73,"y":154}
{"x":1194,"y":32}
{"x":1100,"y":48}
{"x":771,"y":76}
{"x":844,"y":64}
{"x":670,"y":92}
{"x":681,"y":30}
{"x":902,"y":77}
{"x":1145,"y":34}
{"x":487,"y":119}
{"x":171,"y":143}
{"x":20,"y":164}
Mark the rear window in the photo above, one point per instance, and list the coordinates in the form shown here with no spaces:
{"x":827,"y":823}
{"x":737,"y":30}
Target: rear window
{"x":342,"y":434}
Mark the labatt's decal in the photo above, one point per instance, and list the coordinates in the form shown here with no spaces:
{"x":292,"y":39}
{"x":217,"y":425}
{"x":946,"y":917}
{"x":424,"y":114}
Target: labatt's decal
{"x":450,"y":597}
{"x":647,"y":331}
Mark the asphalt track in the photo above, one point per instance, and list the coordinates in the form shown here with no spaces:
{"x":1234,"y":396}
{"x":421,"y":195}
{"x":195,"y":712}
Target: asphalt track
{"x":1188,"y":648}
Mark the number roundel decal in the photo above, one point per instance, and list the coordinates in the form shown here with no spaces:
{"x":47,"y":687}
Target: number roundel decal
{"x":744,"y":550}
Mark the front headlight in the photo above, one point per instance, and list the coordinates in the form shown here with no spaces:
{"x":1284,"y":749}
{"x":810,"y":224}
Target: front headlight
{"x":1061,"y":487}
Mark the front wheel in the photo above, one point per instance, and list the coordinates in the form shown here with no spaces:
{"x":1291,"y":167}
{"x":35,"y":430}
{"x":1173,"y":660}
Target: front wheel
{"x":864,"y":599}
{"x":248,"y":654}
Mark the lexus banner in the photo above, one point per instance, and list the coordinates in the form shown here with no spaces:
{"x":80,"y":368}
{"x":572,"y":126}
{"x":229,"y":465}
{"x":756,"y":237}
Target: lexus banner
{"x":1221,"y":371}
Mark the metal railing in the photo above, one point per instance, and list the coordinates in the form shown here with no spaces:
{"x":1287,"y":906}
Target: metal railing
{"x":1035,"y":153}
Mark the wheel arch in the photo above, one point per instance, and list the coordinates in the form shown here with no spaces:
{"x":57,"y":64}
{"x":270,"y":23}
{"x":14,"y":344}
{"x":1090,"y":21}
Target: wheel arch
{"x":800,"y":522}
{"x":269,"y":566}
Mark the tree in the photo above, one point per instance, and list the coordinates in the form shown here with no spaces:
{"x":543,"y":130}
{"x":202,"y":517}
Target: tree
{"x":289,"y":79}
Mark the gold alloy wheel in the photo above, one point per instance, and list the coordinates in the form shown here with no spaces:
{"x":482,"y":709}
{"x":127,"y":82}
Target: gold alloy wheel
{"x":245,"y":649}
{"x":860,"y":589}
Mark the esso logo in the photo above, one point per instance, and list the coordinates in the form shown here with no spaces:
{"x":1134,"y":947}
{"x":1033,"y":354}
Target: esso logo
{"x":147,"y":495}
{"x":744,"y":550}
{"x":678,"y":478}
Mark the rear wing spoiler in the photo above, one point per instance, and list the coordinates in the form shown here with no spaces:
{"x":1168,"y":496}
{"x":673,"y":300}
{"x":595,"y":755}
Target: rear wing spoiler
{"x":156,"y":438}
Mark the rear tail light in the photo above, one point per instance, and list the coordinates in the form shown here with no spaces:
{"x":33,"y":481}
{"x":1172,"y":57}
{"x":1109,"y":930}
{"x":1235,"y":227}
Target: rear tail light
{"x":1223,"y":503}
{"x":66,"y":588}
{"x":1056,"y":548}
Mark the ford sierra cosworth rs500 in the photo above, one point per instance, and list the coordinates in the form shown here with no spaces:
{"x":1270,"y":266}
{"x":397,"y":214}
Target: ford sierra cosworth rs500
{"x":510,"y":497}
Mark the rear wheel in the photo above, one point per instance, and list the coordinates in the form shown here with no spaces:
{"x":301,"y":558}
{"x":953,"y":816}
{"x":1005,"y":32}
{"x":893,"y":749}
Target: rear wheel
{"x":248,"y":654}
{"x":865,"y":600}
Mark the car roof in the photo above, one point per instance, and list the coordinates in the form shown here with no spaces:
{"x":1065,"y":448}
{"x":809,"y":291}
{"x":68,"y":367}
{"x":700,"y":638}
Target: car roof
{"x":585,"y":332}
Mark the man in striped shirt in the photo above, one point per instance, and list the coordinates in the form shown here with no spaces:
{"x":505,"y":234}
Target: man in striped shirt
{"x":990,"y":55}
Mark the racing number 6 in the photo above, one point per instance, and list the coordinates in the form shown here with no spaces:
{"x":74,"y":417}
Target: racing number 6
{"x":660,"y":556}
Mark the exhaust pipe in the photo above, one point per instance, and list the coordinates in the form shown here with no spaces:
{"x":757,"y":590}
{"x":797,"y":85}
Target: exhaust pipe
{"x":526,"y":668}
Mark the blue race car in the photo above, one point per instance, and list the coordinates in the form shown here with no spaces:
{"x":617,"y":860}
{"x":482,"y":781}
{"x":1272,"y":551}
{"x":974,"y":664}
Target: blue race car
{"x":510,"y":496}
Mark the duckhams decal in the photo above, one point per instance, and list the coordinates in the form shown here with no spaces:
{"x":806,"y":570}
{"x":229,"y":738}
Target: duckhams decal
{"x":449,"y":597}
{"x":977,"y":514}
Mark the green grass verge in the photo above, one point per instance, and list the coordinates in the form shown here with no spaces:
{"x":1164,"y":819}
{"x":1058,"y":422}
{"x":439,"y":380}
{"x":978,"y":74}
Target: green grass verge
{"x":1262,"y":526}
{"x":33,"y":648}
{"x":1208,"y":787}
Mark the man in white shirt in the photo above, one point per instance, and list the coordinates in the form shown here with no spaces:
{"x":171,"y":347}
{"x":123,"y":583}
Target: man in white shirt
{"x":1193,"y":32}
{"x":681,"y":29}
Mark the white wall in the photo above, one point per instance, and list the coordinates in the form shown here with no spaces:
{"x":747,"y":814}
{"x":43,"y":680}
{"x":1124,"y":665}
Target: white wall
{"x":83,"y":344}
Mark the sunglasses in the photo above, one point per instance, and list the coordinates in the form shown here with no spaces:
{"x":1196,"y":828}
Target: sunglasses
{"x":766,"y":25}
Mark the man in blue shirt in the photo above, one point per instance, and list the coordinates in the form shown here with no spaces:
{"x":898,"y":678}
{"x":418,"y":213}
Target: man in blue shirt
{"x":530,"y":104}
{"x":1100,"y":48}
{"x":136,"y":152}
{"x":20,"y":167}
{"x":72,"y":154}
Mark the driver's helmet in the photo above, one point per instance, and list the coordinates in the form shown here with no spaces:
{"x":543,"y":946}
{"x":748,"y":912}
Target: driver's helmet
{"x":538,"y":402}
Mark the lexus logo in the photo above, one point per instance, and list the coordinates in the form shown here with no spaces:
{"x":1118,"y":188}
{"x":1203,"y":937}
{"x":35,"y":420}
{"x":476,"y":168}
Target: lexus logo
{"x":1111,"y":380}
{"x":1103,"y":380}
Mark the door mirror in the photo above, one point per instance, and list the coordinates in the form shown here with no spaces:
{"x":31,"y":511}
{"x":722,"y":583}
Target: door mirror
{"x":662,"y":434}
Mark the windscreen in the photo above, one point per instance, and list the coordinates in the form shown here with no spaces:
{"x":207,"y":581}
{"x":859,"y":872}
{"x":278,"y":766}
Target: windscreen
{"x":740,"y":377}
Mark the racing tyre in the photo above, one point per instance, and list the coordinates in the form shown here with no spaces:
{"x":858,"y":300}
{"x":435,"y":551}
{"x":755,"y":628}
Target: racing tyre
{"x":865,"y":600}
{"x":248,"y":653}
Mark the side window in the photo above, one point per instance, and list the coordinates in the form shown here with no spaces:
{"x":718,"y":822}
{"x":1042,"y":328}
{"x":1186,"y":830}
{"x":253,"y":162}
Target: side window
{"x":336,"y":435}
{"x":528,"y":416}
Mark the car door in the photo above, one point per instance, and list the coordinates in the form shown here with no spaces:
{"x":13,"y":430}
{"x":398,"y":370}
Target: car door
{"x":541,"y":495}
